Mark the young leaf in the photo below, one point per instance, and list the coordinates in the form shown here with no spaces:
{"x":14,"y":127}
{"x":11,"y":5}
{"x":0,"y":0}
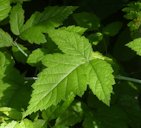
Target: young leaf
{"x":133,"y":13}
{"x":40,"y":23}
{"x":135,"y":45}
{"x":5,"y":39}
{"x":16,"y":19}
{"x":66,"y":73}
{"x":4,"y":9}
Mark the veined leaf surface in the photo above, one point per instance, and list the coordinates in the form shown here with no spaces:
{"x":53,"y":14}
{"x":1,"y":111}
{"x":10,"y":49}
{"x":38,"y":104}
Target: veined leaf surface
{"x":40,"y":23}
{"x":4,"y":9}
{"x":70,"y":73}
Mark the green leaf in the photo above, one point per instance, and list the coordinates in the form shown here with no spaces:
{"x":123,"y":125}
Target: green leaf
{"x":112,"y":29}
{"x":16,"y":19}
{"x":66,"y":73}
{"x":72,"y":44}
{"x":135,"y":45}
{"x":12,"y":113}
{"x":36,"y":56}
{"x":77,"y":29}
{"x":100,"y":79}
{"x":133,"y":13}
{"x":63,"y":76}
{"x":87,"y":20}
{"x":55,"y":111}
{"x":24,"y":124}
{"x":95,"y":38}
{"x":4,"y":9}
{"x":5,"y":39}
{"x":12,"y":124}
{"x":10,"y":82}
{"x":40,"y":23}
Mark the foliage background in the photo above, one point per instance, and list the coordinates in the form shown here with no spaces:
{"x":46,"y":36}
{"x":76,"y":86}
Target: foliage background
{"x":113,"y":30}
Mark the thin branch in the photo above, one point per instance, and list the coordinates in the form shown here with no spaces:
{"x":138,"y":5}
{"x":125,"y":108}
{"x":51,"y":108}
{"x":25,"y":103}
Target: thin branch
{"x":128,"y":79}
{"x":20,"y":49}
{"x":30,"y":78}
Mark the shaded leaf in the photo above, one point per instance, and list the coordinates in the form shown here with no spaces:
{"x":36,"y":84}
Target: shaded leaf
{"x":87,"y":20}
{"x":112,"y":29}
{"x":5,"y":39}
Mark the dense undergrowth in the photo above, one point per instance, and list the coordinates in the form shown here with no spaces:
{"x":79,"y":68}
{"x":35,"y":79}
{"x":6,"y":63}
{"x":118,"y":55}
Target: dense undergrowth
{"x":70,"y":64}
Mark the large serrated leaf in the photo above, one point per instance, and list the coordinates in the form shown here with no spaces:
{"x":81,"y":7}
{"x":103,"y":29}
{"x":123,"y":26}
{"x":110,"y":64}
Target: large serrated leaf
{"x":72,"y":43}
{"x":67,"y":73}
{"x":100,"y":79}
{"x":40,"y":23}
{"x":4,"y":9}
{"x":63,"y":78}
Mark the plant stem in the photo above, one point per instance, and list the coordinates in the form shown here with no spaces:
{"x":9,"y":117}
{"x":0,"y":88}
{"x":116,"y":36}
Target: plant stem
{"x":119,"y":77}
{"x":23,"y":52}
{"x":128,"y":79}
{"x":30,"y":78}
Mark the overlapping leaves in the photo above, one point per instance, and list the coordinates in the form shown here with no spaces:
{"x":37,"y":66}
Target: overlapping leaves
{"x":39,"y":23}
{"x":70,"y":72}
